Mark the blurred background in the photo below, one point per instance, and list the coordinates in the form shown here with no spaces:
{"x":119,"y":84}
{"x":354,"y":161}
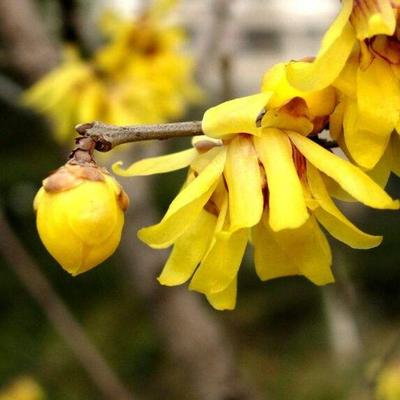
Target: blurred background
{"x":113,"y":332}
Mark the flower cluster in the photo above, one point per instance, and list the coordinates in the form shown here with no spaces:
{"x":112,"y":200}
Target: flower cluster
{"x":259,"y":176}
{"x":360,"y":57}
{"x":22,"y":388}
{"x":139,"y":76}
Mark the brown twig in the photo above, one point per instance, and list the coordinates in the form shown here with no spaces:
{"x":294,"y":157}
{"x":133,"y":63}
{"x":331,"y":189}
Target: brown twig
{"x":109,"y":136}
{"x":58,"y":314}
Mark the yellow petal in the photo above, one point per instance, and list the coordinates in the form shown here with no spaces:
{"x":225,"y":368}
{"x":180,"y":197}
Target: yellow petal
{"x":202,"y":138}
{"x":186,"y":206}
{"x":50,"y":222}
{"x":271,"y":261}
{"x":101,"y":206}
{"x":333,"y":220}
{"x":94,"y":256}
{"x":182,"y":262}
{"x":381,"y":172}
{"x":350,"y":178}
{"x":345,"y":81}
{"x":157,"y":165}
{"x":307,"y":249}
{"x":378,"y":105}
{"x":226,"y":299}
{"x":335,"y":49}
{"x":171,"y":227}
{"x":283,"y":120}
{"x":79,"y":234}
{"x":376,"y":17}
{"x":343,"y":230}
{"x":336,"y":122}
{"x":235,"y":116}
{"x":221,"y":264}
{"x":286,"y":200}
{"x":319,"y":103}
{"x":242,"y":174}
{"x":395,"y":144}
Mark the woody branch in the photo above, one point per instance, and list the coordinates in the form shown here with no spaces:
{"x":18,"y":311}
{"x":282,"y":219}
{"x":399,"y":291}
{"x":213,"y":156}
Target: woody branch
{"x":106,"y":136}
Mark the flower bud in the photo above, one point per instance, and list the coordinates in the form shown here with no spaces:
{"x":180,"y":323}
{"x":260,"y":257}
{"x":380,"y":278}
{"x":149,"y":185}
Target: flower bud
{"x":80,"y":215}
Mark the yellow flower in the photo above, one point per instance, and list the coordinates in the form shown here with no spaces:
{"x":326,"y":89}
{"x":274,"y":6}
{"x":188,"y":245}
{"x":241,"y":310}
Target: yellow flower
{"x":267,"y":184}
{"x":23,"y":388}
{"x":80,"y":216}
{"x":360,"y":56}
{"x":388,"y":385}
{"x":141,"y":75}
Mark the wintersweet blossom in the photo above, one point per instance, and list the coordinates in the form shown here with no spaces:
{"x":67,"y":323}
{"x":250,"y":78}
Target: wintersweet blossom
{"x":256,"y":177}
{"x":22,"y":388}
{"x":360,"y":56}
{"x":140,"y":75}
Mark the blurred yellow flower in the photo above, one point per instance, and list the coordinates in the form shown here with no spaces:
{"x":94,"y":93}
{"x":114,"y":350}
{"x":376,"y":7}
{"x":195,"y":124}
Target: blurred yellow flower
{"x":388,"y":385}
{"x":80,"y":215}
{"x":23,"y":388}
{"x":265,"y":182}
{"x":141,"y":75}
{"x":360,"y":56}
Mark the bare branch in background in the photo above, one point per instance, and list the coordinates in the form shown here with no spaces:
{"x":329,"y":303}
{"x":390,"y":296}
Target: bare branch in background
{"x":108,"y":136}
{"x":225,"y":56}
{"x":69,"y":26}
{"x":343,"y":331}
{"x":58,"y":314}
{"x":344,"y":313}
{"x":225,"y":67}
{"x":29,"y":50}
{"x":213,"y":29}
{"x":72,"y":26}
{"x":216,"y":44}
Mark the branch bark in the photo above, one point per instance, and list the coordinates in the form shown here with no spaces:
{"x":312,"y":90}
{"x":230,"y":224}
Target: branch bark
{"x":58,"y":314}
{"x":29,"y":50}
{"x":109,"y":136}
{"x":213,"y":29}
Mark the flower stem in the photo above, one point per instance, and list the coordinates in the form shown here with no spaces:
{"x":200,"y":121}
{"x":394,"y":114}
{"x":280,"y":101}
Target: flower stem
{"x":109,"y":136}
{"x":106,"y":136}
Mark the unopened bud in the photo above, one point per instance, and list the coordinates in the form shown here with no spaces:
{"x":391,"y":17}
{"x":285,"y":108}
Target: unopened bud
{"x":80,"y":215}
